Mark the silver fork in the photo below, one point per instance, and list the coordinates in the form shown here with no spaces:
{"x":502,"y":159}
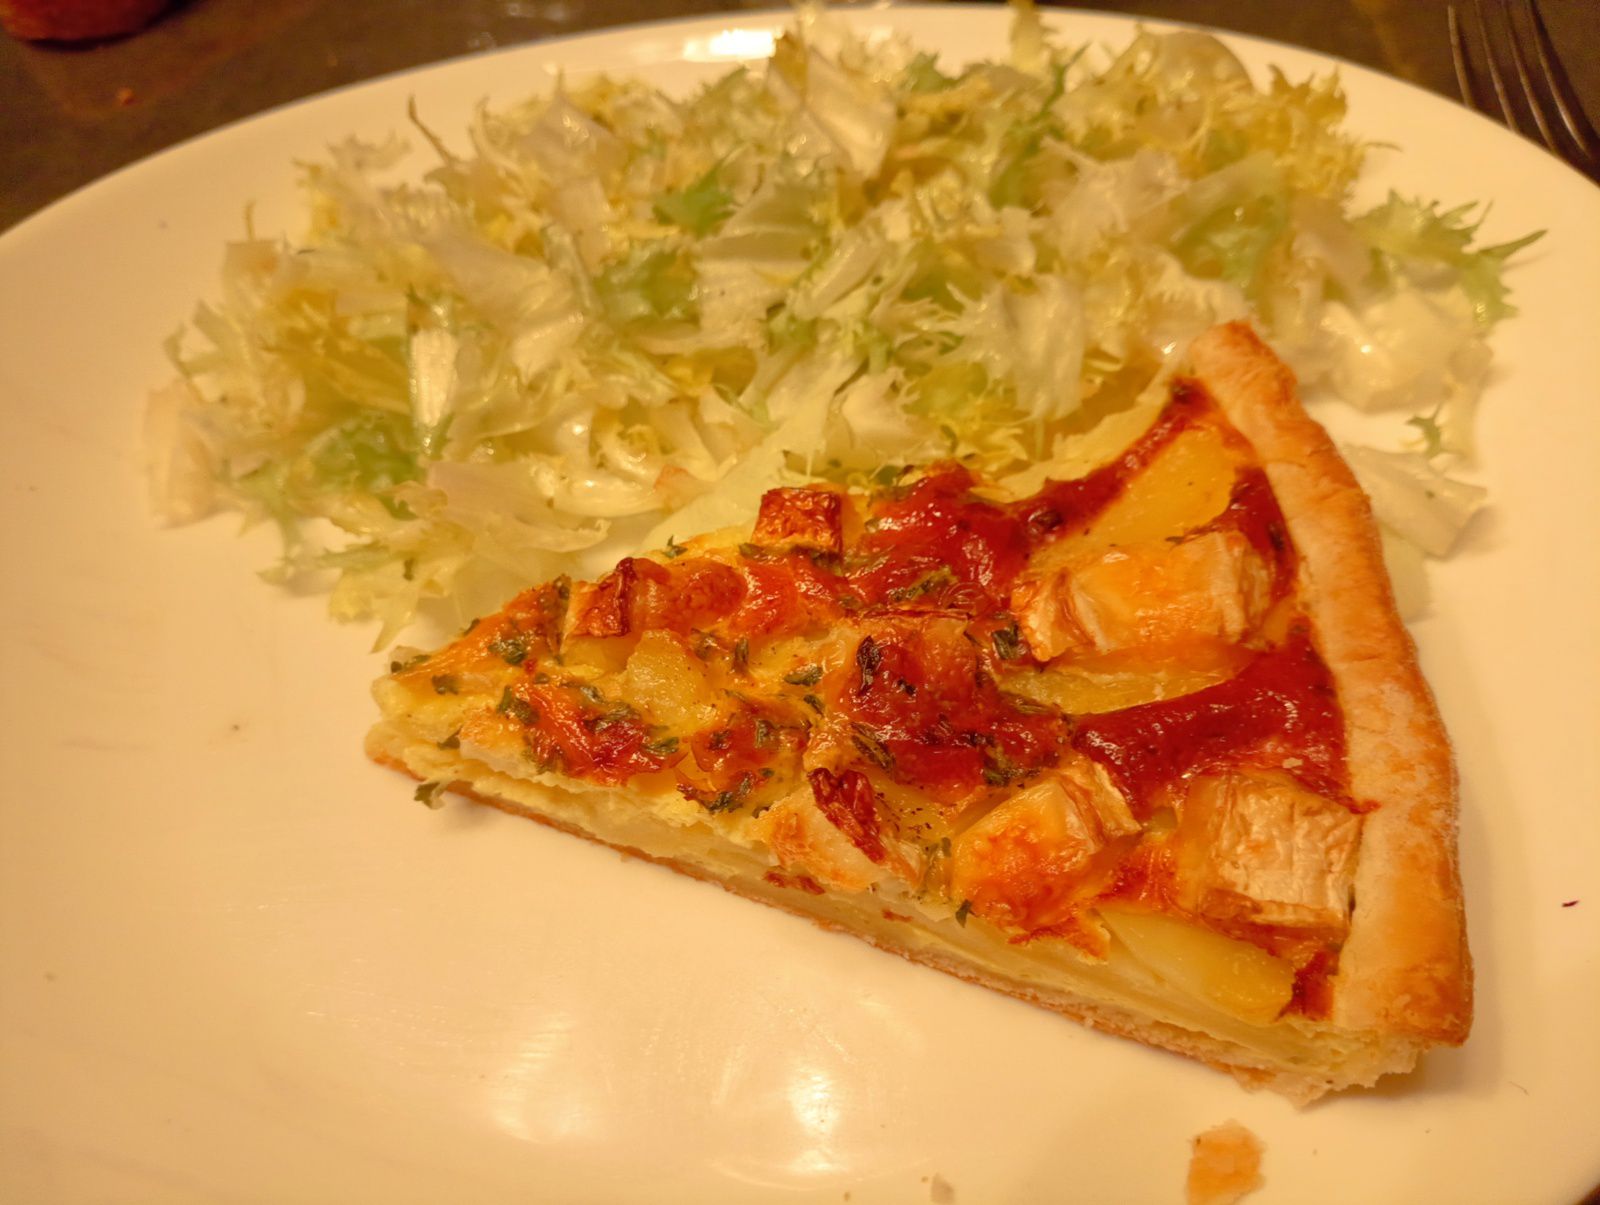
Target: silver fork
{"x":1533,"y":85}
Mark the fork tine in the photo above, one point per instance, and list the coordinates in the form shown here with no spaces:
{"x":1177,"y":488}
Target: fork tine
{"x":1562,"y":92}
{"x":1497,"y":80}
{"x":1532,"y":84}
{"x":1520,"y":62}
{"x":1462,"y":61}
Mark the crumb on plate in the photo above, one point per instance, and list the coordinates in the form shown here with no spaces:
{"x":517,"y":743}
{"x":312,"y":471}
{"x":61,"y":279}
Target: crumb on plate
{"x":1225,"y":1165}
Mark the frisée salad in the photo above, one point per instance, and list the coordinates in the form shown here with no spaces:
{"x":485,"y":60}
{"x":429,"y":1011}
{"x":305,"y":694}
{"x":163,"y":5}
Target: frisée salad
{"x":608,"y":315}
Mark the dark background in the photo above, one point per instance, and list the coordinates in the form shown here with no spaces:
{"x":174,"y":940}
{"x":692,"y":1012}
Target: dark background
{"x":70,"y":114}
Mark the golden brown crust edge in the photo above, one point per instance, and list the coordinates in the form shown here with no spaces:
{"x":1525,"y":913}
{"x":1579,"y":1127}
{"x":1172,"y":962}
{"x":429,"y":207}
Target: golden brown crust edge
{"x":1405,"y":969}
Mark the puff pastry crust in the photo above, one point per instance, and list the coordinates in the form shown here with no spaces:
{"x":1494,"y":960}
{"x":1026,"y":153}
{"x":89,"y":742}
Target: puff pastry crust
{"x":1405,"y":968}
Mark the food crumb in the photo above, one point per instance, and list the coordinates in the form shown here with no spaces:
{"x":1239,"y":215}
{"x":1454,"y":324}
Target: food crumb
{"x":124,"y":96}
{"x":1569,"y":903}
{"x":940,"y":1190}
{"x":1225,"y":1165}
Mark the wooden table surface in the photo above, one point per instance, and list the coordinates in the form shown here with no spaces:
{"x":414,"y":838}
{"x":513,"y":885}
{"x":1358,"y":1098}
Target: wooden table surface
{"x":70,"y":114}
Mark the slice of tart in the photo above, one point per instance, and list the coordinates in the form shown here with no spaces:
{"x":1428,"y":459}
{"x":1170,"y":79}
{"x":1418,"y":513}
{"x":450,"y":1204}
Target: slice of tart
{"x":1148,"y":747}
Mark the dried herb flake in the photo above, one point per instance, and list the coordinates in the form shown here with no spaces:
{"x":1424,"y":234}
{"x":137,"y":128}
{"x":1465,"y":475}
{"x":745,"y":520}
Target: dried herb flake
{"x":868,"y":657}
{"x":1007,"y":642}
{"x":512,"y":648}
{"x":519,"y":709}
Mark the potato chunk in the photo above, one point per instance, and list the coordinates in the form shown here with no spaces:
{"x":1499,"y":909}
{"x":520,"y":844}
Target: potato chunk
{"x":1236,"y":977}
{"x":666,"y":682}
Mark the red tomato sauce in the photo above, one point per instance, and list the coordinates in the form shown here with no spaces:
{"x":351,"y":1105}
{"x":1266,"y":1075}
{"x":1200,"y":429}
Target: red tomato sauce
{"x":927,"y":712}
{"x":1280,"y":710}
{"x":569,"y":733}
{"x":937,"y":536}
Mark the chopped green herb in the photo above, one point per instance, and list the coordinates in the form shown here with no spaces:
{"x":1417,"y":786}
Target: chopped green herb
{"x":998,"y":769}
{"x":868,"y":657}
{"x":872,"y":746}
{"x":808,"y":675}
{"x":963,"y":912}
{"x":620,"y":713}
{"x":741,"y":655}
{"x":722,"y":801}
{"x":445,"y":684}
{"x":755,"y":552}
{"x":925,"y":584}
{"x":812,"y":702}
{"x":519,"y":709}
{"x":546,"y":758}
{"x":665,"y":747}
{"x":511,"y":648}
{"x":764,"y":733}
{"x":428,"y":793}
{"x":453,"y":741}
{"x":396,"y":667}
{"x":1007,"y":642}
{"x":673,"y":550}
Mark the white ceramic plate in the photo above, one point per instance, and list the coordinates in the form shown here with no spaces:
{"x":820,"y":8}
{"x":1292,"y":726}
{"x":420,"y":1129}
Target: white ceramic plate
{"x":240,"y":965}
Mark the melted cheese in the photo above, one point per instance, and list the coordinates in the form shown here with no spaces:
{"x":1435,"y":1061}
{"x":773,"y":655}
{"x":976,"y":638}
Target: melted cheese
{"x":1025,"y":864}
{"x":1264,"y":850}
{"x":1209,"y":586}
